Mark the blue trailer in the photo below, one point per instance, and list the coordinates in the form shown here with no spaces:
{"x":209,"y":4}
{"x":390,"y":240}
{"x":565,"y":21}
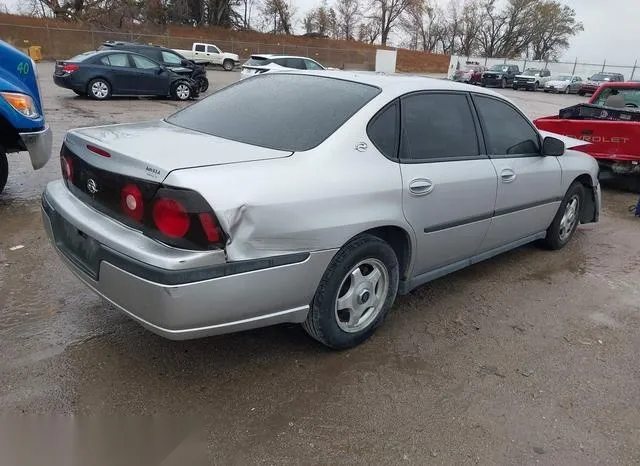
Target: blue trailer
{"x":22,"y":123}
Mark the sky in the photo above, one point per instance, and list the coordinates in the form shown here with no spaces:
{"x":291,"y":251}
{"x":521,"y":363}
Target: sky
{"x":609,"y":32}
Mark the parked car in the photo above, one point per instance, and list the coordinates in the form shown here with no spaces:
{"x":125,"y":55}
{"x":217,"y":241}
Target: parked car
{"x":531,"y":79}
{"x":470,"y":74}
{"x":609,"y":124}
{"x":268,"y":62}
{"x":500,"y":75}
{"x":167,"y":58}
{"x":335,"y":213}
{"x":594,"y":82}
{"x":565,"y":84}
{"x":210,"y":54}
{"x":22,"y":123}
{"x":107,"y":73}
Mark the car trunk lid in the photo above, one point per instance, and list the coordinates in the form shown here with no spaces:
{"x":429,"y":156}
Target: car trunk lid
{"x":152,"y":150}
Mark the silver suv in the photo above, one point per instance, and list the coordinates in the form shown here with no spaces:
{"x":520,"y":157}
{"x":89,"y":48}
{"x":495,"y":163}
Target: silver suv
{"x":317,"y":210}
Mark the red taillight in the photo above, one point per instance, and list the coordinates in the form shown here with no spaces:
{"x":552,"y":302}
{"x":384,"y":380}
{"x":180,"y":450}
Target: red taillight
{"x":97,"y":150}
{"x":171,"y":218}
{"x":210,"y":228}
{"x":132,"y":202}
{"x":67,"y":167}
{"x":70,"y":68}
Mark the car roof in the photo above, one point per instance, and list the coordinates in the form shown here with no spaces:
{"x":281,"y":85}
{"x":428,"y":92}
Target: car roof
{"x":272,"y":56}
{"x":134,"y":45}
{"x":393,"y":83}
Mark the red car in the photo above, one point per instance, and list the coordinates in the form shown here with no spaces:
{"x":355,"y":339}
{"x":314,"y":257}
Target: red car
{"x":592,"y":84}
{"x":609,"y":123}
{"x":470,"y":74}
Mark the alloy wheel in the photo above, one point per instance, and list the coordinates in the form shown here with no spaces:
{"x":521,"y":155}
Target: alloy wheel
{"x":569,"y":218}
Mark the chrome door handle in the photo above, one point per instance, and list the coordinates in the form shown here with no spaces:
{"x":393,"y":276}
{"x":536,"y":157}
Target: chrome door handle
{"x":420,"y":186}
{"x":507,"y":175}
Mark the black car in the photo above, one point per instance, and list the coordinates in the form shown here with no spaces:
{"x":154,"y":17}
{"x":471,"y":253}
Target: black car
{"x":500,"y":75}
{"x":167,"y":57}
{"x":106,"y":73}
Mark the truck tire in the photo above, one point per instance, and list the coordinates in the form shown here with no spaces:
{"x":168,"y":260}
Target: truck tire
{"x":4,"y":169}
{"x":227,"y":65}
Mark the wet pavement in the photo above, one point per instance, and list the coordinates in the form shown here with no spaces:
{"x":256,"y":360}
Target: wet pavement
{"x":528,"y":358}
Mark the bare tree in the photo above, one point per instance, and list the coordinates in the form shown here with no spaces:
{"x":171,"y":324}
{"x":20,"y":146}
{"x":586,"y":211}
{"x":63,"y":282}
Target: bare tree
{"x":555,"y":25}
{"x":369,"y":30}
{"x":348,"y":14}
{"x":471,"y":24}
{"x":280,"y":14}
{"x":490,"y":35}
{"x":421,"y":23}
{"x":387,"y":12}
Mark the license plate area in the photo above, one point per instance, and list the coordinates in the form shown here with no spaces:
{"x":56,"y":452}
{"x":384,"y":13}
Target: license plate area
{"x":76,"y":245}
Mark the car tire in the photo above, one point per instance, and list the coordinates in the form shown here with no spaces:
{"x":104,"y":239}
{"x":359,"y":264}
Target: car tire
{"x":567,"y":218}
{"x":535,"y":86}
{"x":203,"y":84}
{"x":515,"y":88}
{"x":181,"y":91}
{"x":504,"y":83}
{"x":345,"y":283}
{"x":228,"y":65}
{"x":99,"y":89}
{"x":4,"y":170}
{"x":567,"y":90}
{"x":581,"y":93}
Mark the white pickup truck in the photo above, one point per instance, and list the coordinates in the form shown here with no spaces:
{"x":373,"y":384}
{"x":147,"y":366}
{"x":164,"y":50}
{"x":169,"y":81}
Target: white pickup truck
{"x":209,"y":53}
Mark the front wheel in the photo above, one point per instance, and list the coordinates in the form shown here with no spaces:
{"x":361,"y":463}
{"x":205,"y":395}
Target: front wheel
{"x":4,"y":169}
{"x":567,"y":218}
{"x":227,"y":65}
{"x":581,"y":93}
{"x":203,"y":84}
{"x":181,"y":91}
{"x":355,"y":294}
{"x":535,"y":86}
{"x":504,"y":83}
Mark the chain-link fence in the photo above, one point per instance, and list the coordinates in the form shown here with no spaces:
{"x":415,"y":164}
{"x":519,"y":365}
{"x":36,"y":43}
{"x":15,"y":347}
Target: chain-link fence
{"x":61,"y":42}
{"x":576,"y":67}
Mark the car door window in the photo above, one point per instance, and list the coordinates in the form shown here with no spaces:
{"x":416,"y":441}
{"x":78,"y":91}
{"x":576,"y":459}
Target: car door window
{"x":116,"y":59}
{"x":311,"y":65}
{"x":506,"y":131}
{"x":171,"y":58}
{"x":143,"y":63}
{"x":437,"y":127}
{"x":212,"y":49}
{"x":383,"y":131}
{"x":280,"y":61}
{"x":200,"y":48}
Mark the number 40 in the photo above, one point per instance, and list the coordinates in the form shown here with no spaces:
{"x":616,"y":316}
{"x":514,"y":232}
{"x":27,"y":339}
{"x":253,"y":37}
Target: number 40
{"x":23,"y":67}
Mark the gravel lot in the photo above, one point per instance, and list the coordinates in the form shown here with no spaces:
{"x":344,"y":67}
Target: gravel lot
{"x":531,"y":357}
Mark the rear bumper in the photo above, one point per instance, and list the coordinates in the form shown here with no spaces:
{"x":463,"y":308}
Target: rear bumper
{"x":39,"y":146}
{"x":240,"y":296}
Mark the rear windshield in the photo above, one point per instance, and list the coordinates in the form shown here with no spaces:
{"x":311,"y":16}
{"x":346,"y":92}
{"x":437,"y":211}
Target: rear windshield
{"x":82,"y":56}
{"x":631,"y":97}
{"x":602,"y":77}
{"x":278,"y":111}
{"x":258,"y":61}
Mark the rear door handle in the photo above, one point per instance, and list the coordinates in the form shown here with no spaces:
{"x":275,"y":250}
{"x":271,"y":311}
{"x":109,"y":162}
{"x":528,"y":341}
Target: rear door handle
{"x":420,"y":186}
{"x":507,"y":175}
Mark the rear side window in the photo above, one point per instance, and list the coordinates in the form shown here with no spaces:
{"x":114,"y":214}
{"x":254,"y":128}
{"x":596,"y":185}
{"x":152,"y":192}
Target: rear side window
{"x":116,"y":59}
{"x":506,"y":131}
{"x":437,"y":127}
{"x":383,"y":131}
{"x":311,"y":65}
{"x":200,"y":48}
{"x":277,"y":111}
{"x":296,"y":63}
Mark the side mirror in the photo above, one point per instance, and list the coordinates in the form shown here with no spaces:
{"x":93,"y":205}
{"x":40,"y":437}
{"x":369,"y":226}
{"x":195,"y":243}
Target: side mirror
{"x":552,"y":147}
{"x":184,"y":62}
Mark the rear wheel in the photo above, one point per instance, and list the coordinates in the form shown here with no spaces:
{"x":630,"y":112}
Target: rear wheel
{"x":567,"y":218}
{"x":99,"y":89}
{"x":355,"y":294}
{"x":227,"y":65}
{"x":4,"y":169}
{"x":581,"y":93}
{"x":181,"y":91}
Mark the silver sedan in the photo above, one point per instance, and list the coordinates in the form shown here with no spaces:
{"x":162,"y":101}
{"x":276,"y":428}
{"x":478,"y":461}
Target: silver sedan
{"x":307,"y":197}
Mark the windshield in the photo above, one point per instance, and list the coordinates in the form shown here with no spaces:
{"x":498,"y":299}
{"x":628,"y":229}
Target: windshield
{"x":277,"y":111}
{"x":631,"y":97}
{"x":531,"y":72}
{"x":563,"y":77}
{"x":499,"y":68}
